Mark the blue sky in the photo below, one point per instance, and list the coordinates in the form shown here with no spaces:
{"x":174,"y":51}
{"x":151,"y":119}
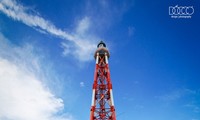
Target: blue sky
{"x":47,"y":64}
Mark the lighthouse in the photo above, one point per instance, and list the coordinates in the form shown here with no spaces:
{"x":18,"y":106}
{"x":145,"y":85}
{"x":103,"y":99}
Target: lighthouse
{"x":102,"y":106}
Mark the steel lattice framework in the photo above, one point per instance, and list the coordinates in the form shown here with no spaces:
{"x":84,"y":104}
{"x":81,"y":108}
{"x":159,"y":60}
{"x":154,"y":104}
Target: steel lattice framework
{"x":102,"y":107}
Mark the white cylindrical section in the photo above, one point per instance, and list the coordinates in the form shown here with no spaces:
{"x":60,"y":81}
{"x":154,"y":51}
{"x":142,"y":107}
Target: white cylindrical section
{"x":93,"y":95}
{"x":106,"y":57}
{"x":97,"y":58}
{"x":111,"y":96}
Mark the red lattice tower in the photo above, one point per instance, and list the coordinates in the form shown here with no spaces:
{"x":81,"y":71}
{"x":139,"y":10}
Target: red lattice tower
{"x":102,"y":107}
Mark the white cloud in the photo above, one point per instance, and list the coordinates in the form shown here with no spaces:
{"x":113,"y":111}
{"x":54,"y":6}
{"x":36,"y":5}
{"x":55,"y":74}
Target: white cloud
{"x":83,"y":25}
{"x":105,"y":13}
{"x":81,"y":41}
{"x":82,"y":48}
{"x":194,"y":107}
{"x":177,"y":94}
{"x":23,"y":96}
{"x":82,"y":84}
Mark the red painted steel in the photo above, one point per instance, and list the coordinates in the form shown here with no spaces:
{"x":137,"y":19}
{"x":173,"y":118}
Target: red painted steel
{"x":102,"y":107}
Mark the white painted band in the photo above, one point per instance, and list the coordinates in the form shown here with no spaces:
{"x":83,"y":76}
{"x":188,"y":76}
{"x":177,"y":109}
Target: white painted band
{"x":93,"y":95}
{"x":97,"y":58}
{"x":111,"y":96}
{"x":106,"y":57}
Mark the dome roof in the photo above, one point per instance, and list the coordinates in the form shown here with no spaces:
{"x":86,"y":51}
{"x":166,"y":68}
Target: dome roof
{"x":101,"y":43}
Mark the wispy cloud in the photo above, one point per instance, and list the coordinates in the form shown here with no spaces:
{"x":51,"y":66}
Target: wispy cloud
{"x":82,"y":84}
{"x":178,"y":94}
{"x":81,"y":41}
{"x":82,"y":48}
{"x":83,"y":25}
{"x":195,"y":108}
{"x":23,"y":95}
{"x":187,"y":98}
